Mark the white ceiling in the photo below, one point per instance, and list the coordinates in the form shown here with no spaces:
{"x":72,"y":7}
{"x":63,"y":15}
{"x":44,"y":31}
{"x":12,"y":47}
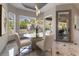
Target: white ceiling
{"x":46,"y":7}
{"x":77,"y":5}
{"x":20,"y":6}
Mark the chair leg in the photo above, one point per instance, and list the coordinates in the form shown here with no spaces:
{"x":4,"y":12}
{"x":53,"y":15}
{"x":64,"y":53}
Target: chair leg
{"x":19,"y":51}
{"x":51,"y":51}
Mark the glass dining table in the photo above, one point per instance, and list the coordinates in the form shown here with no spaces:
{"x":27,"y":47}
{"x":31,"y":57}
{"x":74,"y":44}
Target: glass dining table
{"x":34,"y":39}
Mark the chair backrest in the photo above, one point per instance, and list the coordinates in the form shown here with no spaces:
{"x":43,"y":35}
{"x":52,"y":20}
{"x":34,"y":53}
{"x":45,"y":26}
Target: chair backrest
{"x":17,"y":38}
{"x":48,"y":43}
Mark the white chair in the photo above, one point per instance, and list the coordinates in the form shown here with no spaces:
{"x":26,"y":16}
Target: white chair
{"x":21,"y":43}
{"x":46,"y":44}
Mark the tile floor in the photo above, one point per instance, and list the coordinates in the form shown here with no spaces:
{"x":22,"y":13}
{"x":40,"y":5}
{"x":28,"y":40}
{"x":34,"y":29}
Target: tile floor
{"x":11,"y":49}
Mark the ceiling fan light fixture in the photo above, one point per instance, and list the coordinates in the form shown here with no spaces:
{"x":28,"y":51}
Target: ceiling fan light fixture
{"x":36,"y":7}
{"x":36,"y":14}
{"x":37,"y":10}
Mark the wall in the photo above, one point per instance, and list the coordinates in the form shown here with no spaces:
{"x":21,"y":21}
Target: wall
{"x":69,"y":48}
{"x":51,"y":11}
{"x":74,"y":13}
{"x":3,"y":38}
{"x":62,"y":47}
{"x":76,"y":32}
{"x":19,"y":12}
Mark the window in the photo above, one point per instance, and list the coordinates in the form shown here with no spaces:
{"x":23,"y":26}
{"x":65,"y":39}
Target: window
{"x":40,"y":28}
{"x":48,"y":25}
{"x":27,"y":26}
{"x":11,"y":26}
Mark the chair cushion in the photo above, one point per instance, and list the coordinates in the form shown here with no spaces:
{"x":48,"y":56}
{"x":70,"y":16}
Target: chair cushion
{"x":25,"y":42}
{"x":40,"y":44}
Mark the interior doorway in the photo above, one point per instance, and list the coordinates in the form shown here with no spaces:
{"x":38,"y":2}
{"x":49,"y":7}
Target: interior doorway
{"x":63,"y":25}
